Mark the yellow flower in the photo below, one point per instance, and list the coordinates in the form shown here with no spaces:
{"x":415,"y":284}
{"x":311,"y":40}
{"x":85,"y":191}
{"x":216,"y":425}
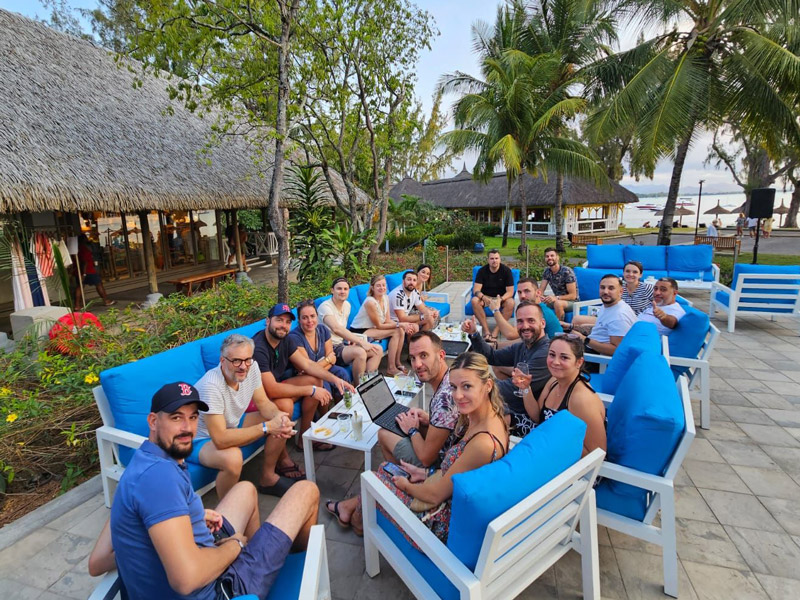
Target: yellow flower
{"x":91,"y":378}
{"x":5,"y":391}
{"x":11,"y":417}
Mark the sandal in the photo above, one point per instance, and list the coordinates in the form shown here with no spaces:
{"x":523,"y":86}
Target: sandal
{"x":335,"y":512}
{"x":279,"y":488}
{"x":291,"y":471}
{"x":322,"y":446}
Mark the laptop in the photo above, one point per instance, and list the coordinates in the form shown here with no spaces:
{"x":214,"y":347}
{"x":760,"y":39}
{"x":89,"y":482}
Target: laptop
{"x":380,"y":404}
{"x":453,"y":348}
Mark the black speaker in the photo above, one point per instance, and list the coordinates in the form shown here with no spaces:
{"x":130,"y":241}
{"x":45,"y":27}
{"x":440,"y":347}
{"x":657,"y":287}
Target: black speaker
{"x":762,"y":200}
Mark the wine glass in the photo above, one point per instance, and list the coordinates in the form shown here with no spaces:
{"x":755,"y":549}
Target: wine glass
{"x":522,"y":389}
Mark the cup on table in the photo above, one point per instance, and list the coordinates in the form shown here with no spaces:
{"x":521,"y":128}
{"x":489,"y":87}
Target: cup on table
{"x":357,"y":424}
{"x":344,"y":423}
{"x":348,"y":399}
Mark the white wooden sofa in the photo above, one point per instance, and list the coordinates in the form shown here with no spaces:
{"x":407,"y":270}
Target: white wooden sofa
{"x":314,"y":581}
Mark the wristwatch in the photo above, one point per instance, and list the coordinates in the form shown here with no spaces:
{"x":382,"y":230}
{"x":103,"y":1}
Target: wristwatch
{"x":586,"y":341}
{"x":412,"y":431}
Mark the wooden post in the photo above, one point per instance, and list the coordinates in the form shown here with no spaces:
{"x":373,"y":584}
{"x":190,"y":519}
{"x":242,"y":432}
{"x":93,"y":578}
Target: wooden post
{"x":128,"y":260}
{"x":220,"y":234}
{"x":237,"y":239}
{"x":165,"y":253}
{"x":193,"y":237}
{"x":149,"y":259}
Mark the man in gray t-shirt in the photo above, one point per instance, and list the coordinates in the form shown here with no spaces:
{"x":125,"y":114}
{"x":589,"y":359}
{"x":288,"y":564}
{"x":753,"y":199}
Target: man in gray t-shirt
{"x":228,"y":389}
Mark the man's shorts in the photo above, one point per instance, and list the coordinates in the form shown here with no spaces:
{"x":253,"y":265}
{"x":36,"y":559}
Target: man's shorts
{"x":338,"y":350}
{"x":257,"y":566}
{"x":568,"y":304}
{"x":92,"y":279}
{"x":404,"y":450}
{"x":197,"y":445}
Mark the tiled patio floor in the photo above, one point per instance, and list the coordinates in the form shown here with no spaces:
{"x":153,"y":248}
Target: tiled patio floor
{"x":737,"y":501}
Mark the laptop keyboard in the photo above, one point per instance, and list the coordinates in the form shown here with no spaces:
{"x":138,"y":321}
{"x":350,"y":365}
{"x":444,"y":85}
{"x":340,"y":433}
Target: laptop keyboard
{"x":387,"y":419}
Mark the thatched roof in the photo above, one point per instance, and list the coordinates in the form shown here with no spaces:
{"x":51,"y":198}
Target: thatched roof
{"x":462,"y":191}
{"x":75,"y":134}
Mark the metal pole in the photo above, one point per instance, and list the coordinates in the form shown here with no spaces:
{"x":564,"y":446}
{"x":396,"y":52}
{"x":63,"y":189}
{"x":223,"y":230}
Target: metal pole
{"x":527,"y":260}
{"x":699,"y":200}
{"x":755,"y":246}
{"x":447,"y":263}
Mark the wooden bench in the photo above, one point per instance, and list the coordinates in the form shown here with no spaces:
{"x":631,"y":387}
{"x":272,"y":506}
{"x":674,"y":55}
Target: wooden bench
{"x":585,"y":240}
{"x":203,"y":280}
{"x":731,"y":242}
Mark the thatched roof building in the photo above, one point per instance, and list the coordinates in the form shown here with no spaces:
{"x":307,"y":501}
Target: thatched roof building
{"x":587,"y":208}
{"x":76,"y":134}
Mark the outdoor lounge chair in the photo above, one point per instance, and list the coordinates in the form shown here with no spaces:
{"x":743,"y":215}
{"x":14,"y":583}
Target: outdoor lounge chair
{"x":502,"y":536}
{"x":304,"y":575}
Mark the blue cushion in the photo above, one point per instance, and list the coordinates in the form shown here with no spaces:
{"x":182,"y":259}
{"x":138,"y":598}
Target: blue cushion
{"x":681,"y":300}
{"x":679,"y":276}
{"x":394,"y":280}
{"x":642,"y":337}
{"x":321,"y":299}
{"x":589,"y":281}
{"x":645,"y":425}
{"x":688,"y":337}
{"x":362,"y":292}
{"x":130,"y":387}
{"x":287,"y":585}
{"x":603,"y":256}
{"x":740,"y":269}
{"x":209,"y":347}
{"x":442,"y":307}
{"x":653,"y":258}
{"x":722,"y":297}
{"x":481,"y":495}
{"x":689,"y":259}
{"x":659,"y":274}
{"x":202,"y":476}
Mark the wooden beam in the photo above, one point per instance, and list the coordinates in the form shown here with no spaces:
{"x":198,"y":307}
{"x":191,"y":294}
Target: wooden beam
{"x":149,"y":259}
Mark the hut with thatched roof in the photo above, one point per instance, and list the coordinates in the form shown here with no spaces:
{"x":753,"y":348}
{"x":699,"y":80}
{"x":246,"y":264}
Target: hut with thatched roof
{"x":587,"y":209}
{"x":89,"y":144}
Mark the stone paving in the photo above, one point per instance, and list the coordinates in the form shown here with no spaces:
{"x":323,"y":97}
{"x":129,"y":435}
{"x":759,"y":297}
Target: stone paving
{"x":737,"y":501}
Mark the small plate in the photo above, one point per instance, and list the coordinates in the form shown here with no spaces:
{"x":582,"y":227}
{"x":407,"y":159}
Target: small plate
{"x":323,"y":432}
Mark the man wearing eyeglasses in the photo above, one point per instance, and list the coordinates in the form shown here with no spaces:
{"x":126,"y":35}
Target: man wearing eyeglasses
{"x":228,"y":389}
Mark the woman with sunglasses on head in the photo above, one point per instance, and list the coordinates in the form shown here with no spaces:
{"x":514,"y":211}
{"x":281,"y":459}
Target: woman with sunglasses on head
{"x":373,"y":320}
{"x":637,"y":294}
{"x":567,"y":389}
{"x":484,"y":439}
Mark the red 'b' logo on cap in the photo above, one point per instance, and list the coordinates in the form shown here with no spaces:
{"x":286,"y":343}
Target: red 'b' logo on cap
{"x":186,"y":389}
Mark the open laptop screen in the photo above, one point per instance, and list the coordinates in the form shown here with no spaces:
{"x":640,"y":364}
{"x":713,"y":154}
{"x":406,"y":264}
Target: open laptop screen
{"x":376,"y":395}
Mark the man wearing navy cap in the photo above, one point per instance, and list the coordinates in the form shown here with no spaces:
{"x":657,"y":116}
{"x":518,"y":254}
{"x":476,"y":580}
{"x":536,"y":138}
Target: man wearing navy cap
{"x":272,"y":353}
{"x":167,"y":546}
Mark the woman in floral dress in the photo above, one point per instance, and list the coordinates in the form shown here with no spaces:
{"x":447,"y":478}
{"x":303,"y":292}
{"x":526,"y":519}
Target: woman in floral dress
{"x":484,"y":439}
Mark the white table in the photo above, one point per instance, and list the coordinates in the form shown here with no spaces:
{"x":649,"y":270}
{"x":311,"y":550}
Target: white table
{"x":369,"y":430}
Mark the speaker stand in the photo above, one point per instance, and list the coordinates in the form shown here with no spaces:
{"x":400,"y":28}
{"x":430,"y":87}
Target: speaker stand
{"x":755,"y":245}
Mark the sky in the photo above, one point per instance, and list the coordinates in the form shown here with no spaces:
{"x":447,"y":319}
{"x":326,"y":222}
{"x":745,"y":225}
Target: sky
{"x":452,"y":51}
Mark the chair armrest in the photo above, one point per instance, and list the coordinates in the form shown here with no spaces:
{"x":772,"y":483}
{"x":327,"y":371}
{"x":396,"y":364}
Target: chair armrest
{"x":653,"y":483}
{"x":585,"y":264}
{"x":119,"y":436}
{"x":716,"y":285}
{"x":316,"y":577}
{"x":467,"y":295}
{"x":577,"y":306}
{"x":715,"y":271}
{"x":601,"y":359}
{"x":108,"y":587}
{"x":373,"y":488}
{"x":438,"y":297}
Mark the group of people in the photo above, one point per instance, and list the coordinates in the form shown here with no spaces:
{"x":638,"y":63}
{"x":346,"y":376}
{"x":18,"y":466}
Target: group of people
{"x":752,"y":225}
{"x":166,"y":545}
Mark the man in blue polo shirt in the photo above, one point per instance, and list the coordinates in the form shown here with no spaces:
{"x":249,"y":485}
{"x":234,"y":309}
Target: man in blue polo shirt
{"x":167,"y":546}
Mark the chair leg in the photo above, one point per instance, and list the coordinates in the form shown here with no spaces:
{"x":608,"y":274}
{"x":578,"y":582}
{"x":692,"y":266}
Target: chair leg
{"x":669,"y":547}
{"x":590,"y":557}
{"x":705,"y":398}
{"x":731,"y":321}
{"x":371,"y":555}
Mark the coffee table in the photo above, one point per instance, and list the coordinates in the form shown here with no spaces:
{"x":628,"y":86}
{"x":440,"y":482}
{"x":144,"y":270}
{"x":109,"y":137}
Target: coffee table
{"x":369,"y":431}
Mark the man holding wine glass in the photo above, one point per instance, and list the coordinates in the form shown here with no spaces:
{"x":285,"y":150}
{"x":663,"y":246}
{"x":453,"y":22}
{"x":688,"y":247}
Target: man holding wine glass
{"x":530,"y":351}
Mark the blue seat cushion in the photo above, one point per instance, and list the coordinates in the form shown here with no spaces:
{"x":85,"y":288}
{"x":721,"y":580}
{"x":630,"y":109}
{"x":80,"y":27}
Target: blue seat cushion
{"x":679,"y":276}
{"x":589,"y":281}
{"x":362,"y":290}
{"x":689,"y":259}
{"x":723,"y":297}
{"x":321,"y":299}
{"x":653,"y":258}
{"x":603,"y":256}
{"x":688,"y":337}
{"x":779,"y":303}
{"x":210,"y":346}
{"x":659,"y":274}
{"x":130,"y":387}
{"x":287,"y":585}
{"x":393,"y":280}
{"x":442,"y":307}
{"x":642,"y":337}
{"x":481,"y":495}
{"x":645,"y":425}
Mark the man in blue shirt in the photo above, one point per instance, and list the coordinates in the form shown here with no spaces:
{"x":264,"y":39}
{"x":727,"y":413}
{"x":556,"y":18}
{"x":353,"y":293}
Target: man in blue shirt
{"x":167,"y":546}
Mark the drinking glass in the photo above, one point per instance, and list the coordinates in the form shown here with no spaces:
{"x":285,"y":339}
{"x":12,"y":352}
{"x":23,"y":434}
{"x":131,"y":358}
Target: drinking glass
{"x":357,"y":423}
{"x":521,"y":391}
{"x":348,"y":399}
{"x":344,"y":423}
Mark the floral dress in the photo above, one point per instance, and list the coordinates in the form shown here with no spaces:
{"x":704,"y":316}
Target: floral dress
{"x":436,"y":519}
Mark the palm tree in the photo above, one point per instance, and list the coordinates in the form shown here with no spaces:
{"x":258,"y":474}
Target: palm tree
{"x":717,"y":60}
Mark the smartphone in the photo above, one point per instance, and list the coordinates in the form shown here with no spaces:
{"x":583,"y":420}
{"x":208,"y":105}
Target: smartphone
{"x":404,"y":393}
{"x":334,"y":415}
{"x":393,"y":469}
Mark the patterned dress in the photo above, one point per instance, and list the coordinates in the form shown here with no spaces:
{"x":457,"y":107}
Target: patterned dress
{"x":436,"y":519}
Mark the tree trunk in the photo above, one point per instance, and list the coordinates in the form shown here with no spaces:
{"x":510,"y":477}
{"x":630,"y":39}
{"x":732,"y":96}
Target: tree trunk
{"x":523,"y":205}
{"x":559,"y":208}
{"x":665,"y":232}
{"x":288,"y":12}
{"x":794,"y":205}
{"x":237,"y":241}
{"x":507,"y":212}
{"x":149,"y":259}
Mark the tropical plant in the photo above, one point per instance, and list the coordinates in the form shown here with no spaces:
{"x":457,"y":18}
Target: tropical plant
{"x":403,"y":213}
{"x":350,"y":250}
{"x":726,"y":59}
{"x":310,"y":221}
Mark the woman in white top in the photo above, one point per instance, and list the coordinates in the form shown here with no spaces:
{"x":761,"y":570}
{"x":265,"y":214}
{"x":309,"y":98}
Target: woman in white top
{"x":373,"y":320}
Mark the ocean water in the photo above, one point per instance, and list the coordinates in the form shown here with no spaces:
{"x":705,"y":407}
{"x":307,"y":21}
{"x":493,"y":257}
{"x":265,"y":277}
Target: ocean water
{"x":633,"y":216}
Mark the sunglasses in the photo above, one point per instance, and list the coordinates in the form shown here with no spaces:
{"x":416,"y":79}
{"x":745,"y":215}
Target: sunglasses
{"x":568,"y":336}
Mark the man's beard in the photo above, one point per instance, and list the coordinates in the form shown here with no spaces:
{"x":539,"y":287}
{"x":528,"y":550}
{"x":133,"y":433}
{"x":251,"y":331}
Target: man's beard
{"x":274,"y":333}
{"x":174,"y":450}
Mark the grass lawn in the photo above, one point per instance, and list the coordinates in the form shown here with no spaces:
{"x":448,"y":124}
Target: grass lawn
{"x":537,"y":245}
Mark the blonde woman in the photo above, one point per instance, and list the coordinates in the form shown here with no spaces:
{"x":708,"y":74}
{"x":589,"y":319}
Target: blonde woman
{"x":374,"y":320}
{"x":483,"y":439}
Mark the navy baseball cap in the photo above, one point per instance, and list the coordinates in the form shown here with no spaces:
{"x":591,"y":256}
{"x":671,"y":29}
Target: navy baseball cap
{"x":174,"y":395}
{"x":280,"y":309}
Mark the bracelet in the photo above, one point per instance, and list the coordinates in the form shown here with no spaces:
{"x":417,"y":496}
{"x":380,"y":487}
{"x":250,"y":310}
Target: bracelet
{"x":264,"y":428}
{"x":222,"y":541}
{"x":313,"y":390}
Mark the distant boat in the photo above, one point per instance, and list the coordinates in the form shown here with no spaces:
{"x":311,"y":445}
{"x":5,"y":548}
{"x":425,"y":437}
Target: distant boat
{"x":648,"y":206}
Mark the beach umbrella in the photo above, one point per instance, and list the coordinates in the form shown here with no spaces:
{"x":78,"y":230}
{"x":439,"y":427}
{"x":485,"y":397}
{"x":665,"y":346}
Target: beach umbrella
{"x":680,"y":212}
{"x":717,"y":210}
{"x":781,"y":210}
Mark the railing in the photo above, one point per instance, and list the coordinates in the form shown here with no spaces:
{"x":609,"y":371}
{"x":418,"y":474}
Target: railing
{"x":265,"y":243}
{"x":592,"y":225}
{"x":540,"y":227}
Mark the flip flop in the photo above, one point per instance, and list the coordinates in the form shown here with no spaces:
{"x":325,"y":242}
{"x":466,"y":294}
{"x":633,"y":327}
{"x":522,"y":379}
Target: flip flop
{"x":279,"y":488}
{"x":335,"y":512}
{"x":291,"y":471}
{"x":322,"y":446}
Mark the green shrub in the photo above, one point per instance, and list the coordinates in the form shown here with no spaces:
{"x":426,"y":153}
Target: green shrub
{"x":401,"y":241}
{"x":491,"y":229}
{"x":464,"y":238}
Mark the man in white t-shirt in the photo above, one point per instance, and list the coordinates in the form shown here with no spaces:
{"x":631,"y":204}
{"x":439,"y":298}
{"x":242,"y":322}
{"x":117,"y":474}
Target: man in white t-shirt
{"x":666,"y":311}
{"x":604,"y":334}
{"x":407,"y":306}
{"x":349,"y":347}
{"x":228,"y":389}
